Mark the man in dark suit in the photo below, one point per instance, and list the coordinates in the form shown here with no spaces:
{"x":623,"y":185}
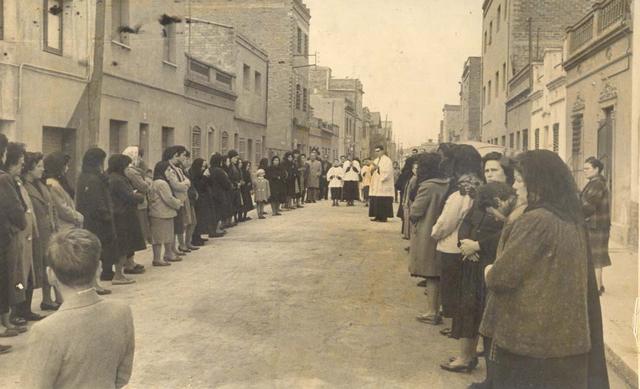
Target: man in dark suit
{"x":88,"y":342}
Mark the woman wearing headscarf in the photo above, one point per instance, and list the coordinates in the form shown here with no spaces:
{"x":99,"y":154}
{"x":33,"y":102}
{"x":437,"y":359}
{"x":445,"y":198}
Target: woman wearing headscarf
{"x":21,"y":271}
{"x":93,"y":201}
{"x":404,"y":185}
{"x":56,"y":166}
{"x":277,"y":176}
{"x":46,"y":222}
{"x":163,"y":209}
{"x":203,"y":206}
{"x":220,"y":188}
{"x":291,"y":179}
{"x":137,"y":175}
{"x":542,"y":275}
{"x":429,"y":199}
{"x":246,"y":189}
{"x":125,"y":210}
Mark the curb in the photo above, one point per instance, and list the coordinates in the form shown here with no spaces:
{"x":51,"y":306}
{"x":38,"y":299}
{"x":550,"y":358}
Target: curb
{"x":624,"y":371}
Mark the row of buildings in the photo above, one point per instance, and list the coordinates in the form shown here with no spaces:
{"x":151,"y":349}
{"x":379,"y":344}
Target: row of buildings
{"x":213,"y":75}
{"x":556,"y":75}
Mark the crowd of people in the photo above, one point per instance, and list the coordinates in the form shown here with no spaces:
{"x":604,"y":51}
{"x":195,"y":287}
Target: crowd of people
{"x":506,"y":250}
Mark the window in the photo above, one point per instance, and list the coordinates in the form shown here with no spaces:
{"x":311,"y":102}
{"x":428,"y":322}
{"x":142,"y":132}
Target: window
{"x":196,"y":142}
{"x":242,"y":149}
{"x":504,"y":141}
{"x":119,"y":19}
{"x":298,"y":91}
{"x":257,"y":83}
{"x":504,"y":76}
{"x":246,"y":77}
{"x":250,"y":149}
{"x":518,"y":144}
{"x":117,"y":136}
{"x":211,"y":140}
{"x":169,"y":38}
{"x":498,"y":18}
{"x":236,"y":141}
{"x":497,"y":82}
{"x":511,"y":140}
{"x":223,"y":78}
{"x":258,"y":150}
{"x":556,"y":135}
{"x":143,"y":137}
{"x":525,"y":140}
{"x":200,"y":69}
{"x":299,"y":41}
{"x":224,"y":143}
{"x":489,"y":93}
{"x":1,"y":20}
{"x":490,"y":32}
{"x":306,"y":44}
{"x":304,"y":99}
{"x":167,"y":137}
{"x":536,"y":138}
{"x":52,"y":29}
{"x":485,"y":42}
{"x":484,"y":95}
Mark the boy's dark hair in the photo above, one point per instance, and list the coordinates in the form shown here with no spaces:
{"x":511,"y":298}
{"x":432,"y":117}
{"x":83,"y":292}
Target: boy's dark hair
{"x":488,"y":193}
{"x":595,"y":163}
{"x":14,"y":152}
{"x":172,"y":151}
{"x":74,"y":256}
{"x":31,"y":160}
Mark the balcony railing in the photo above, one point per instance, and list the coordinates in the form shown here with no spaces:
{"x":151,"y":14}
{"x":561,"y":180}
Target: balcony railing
{"x":611,"y":12}
{"x":602,"y":19}
{"x":582,"y":34}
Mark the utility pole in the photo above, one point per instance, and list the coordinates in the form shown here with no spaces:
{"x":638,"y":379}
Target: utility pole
{"x":95,"y":82}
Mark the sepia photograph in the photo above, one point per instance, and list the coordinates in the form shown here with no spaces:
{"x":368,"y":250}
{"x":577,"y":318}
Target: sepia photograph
{"x":316,"y":194}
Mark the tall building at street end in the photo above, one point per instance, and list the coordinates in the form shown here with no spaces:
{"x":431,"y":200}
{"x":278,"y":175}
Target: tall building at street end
{"x":451,"y":123}
{"x":281,"y":29}
{"x":515,"y":34}
{"x":598,"y":60}
{"x":471,"y":99}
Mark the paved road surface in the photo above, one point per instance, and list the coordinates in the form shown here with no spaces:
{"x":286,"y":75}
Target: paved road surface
{"x":319,"y":297}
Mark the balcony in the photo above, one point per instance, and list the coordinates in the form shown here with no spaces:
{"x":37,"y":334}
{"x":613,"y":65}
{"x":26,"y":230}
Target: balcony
{"x":607,"y":18}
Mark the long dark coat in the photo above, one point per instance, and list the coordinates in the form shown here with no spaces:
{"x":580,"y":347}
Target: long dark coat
{"x":596,"y":209}
{"x":46,"y":222}
{"x":20,"y":253}
{"x":235,"y":197}
{"x":93,"y":201}
{"x":203,"y":205}
{"x":277,"y":177}
{"x":125,"y":215}
{"x":291,"y":178}
{"x":245,"y":191}
{"x":220,"y":188}
{"x":425,"y":210}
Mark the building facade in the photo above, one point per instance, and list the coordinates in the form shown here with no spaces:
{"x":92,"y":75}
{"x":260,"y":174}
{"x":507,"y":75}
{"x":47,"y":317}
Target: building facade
{"x":451,"y":124}
{"x":515,"y":33}
{"x":598,"y":61}
{"x":323,"y":137}
{"x":339,"y":113}
{"x":471,"y":99}
{"x":281,"y":29}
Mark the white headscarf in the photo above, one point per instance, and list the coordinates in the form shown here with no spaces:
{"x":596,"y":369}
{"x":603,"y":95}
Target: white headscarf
{"x":133,"y":153}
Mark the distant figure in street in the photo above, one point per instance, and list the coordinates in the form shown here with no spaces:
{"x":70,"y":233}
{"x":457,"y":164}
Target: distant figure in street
{"x":88,"y":342}
{"x":595,"y":207}
{"x":366,"y":181}
{"x":324,"y":184}
{"x":396,"y":175}
{"x":382,"y":187}
{"x":334,"y":177}
{"x":315,"y":172}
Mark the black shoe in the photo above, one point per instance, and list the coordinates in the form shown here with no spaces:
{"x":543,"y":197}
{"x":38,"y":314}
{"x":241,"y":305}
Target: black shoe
{"x":106,"y":276}
{"x":103,"y":291}
{"x":33,"y":317}
{"x":216,"y":235}
{"x":131,"y":271}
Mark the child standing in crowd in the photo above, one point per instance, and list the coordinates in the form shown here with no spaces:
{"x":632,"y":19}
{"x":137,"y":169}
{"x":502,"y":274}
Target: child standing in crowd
{"x":89,"y":342}
{"x":262,"y":192}
{"x":351,"y":179}
{"x":163,"y":208}
{"x":366,"y":181}
{"x":334,"y":176}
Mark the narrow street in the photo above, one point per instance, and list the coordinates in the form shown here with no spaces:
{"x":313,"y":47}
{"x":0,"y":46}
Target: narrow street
{"x":319,"y":297}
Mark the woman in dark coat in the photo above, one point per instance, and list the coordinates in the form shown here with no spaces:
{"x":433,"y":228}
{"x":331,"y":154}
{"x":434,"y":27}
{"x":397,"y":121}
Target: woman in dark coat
{"x":220,"y":186}
{"x":93,"y":201}
{"x":595,"y":207}
{"x":125,"y":215}
{"x":400,"y":185}
{"x":291,"y":179}
{"x":245,"y":189}
{"x":277,"y":176}
{"x":46,"y":221}
{"x":200,"y":183}
{"x":235,"y":176}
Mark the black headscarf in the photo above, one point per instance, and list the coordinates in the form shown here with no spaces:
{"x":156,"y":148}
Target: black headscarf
{"x":54,"y":167}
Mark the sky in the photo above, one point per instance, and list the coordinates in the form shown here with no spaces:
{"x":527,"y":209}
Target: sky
{"x":409,"y":54}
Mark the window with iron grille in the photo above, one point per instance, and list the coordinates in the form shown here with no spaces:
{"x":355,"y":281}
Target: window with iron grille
{"x":576,"y":135}
{"x":119,"y":20}
{"x":196,"y":142}
{"x":525,"y":140}
{"x":243,"y":149}
{"x":299,"y":41}
{"x":511,"y":140}
{"x":224,"y":143}
{"x":298,"y":99}
{"x":556,"y":136}
{"x":258,"y":150}
{"x":304,"y":99}
{"x":536,"y":138}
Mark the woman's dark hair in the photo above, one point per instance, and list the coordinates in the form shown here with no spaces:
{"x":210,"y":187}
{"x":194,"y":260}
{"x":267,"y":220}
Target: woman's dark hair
{"x":506,"y":164}
{"x":93,"y":160}
{"x":466,"y":160}
{"x":172,"y":151}
{"x":195,"y":171}
{"x":264,"y":164}
{"x":117,"y":163}
{"x":31,"y":160}
{"x":488,"y":193}
{"x":245,"y":164}
{"x":217,"y":160}
{"x":429,"y":167}
{"x":159,"y":171}
{"x":14,"y":152}
{"x":55,"y":167}
{"x":549,"y":184}
{"x":274,"y":158}
{"x":287,"y":155}
{"x":595,"y":163}
{"x":446,"y":152}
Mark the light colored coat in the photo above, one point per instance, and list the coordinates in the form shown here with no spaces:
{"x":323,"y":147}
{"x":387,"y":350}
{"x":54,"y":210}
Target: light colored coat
{"x":315,"y":171}
{"x":382,"y":184}
{"x":262,"y":190}
{"x":140,"y":181}
{"x":445,"y":231}
{"x":179,"y":182}
{"x":334,"y":176}
{"x":162,"y":203}
{"x":68,"y":217}
{"x":87,"y":343}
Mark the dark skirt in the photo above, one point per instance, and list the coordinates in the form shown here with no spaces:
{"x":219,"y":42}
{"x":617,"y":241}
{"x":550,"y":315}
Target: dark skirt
{"x":130,"y":238}
{"x":381,"y":207}
{"x":599,"y":242}
{"x":512,"y":371}
{"x":365,"y":193}
{"x":470,"y":305}
{"x":350,"y":191}
{"x":247,"y":201}
{"x":450,"y":276}
{"x":203,"y":213}
{"x":178,"y":221}
{"x":335,"y":193}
